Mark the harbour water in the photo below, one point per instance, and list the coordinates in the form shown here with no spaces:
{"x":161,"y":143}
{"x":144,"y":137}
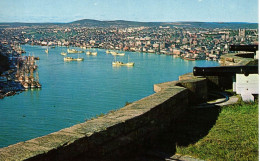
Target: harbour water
{"x":75,"y":91}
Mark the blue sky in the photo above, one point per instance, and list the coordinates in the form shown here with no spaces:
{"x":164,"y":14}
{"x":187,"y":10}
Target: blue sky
{"x":134,"y":10}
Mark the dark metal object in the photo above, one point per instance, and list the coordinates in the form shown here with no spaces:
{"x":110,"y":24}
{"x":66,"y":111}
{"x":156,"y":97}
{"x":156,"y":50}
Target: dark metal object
{"x":252,"y":48}
{"x":225,"y":70}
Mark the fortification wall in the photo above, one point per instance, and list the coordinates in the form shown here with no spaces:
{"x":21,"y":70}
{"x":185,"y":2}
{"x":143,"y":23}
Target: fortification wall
{"x":128,"y":129}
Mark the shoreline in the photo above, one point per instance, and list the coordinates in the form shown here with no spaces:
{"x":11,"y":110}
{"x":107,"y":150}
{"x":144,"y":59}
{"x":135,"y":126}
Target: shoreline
{"x":157,"y":53}
{"x":20,"y":74}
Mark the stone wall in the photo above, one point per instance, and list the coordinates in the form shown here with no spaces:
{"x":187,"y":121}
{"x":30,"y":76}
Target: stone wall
{"x":237,"y":59}
{"x":117,"y":133}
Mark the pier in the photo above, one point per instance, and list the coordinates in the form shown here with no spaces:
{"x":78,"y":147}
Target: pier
{"x":21,"y":73}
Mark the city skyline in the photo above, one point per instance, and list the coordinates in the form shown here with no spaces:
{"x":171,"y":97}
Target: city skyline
{"x":142,"y":10}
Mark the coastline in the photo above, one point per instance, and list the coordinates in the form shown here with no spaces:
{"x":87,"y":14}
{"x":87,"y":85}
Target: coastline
{"x":19,"y":74}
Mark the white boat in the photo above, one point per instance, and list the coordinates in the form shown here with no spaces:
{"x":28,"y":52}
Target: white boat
{"x":117,"y":54}
{"x":68,"y":59}
{"x":32,"y":85}
{"x":47,"y":51}
{"x":38,"y":85}
{"x":71,"y":51}
{"x":63,"y":53}
{"x":119,"y":63}
{"x":107,"y":51}
{"x":129,"y":64}
{"x":25,"y":85}
{"x":151,"y":51}
{"x":91,"y":53}
{"x":94,"y":53}
{"x":120,"y":54}
{"x":113,"y":53}
{"x":79,"y":59}
{"x":73,"y":59}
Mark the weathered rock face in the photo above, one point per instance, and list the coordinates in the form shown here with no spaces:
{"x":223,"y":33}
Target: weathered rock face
{"x":129,"y":129}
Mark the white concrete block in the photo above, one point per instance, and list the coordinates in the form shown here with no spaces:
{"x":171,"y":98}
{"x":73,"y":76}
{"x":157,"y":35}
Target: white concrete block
{"x":247,"y":84}
{"x":247,"y":97}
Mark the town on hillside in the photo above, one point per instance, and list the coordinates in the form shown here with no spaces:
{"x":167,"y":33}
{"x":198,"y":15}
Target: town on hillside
{"x":186,"y":41}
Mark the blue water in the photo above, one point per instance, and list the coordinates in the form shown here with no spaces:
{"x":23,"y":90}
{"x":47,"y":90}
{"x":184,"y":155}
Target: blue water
{"x":75,"y":91}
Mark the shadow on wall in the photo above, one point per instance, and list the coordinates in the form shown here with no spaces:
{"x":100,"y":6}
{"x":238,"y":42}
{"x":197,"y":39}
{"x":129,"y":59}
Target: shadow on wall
{"x":195,"y":125}
{"x":188,"y":129}
{"x":192,"y":126}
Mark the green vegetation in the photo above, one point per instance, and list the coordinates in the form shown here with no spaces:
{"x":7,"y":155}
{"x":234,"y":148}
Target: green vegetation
{"x":234,"y":136}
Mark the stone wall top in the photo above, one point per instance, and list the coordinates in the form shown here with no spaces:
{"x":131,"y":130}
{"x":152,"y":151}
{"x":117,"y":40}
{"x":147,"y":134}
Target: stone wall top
{"x":232,"y":59}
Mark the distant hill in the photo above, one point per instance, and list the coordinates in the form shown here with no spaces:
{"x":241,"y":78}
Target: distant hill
{"x":123,"y":23}
{"x":231,"y":25}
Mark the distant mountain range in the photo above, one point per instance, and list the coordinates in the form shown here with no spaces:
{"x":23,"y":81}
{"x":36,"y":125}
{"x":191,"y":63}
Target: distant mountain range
{"x":122,"y":23}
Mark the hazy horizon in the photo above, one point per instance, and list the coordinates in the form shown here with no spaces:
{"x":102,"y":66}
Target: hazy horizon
{"x":65,"y":11}
{"x":131,"y":21}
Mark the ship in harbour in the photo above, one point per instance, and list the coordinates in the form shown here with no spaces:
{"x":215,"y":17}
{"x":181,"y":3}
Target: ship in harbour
{"x":91,"y":53}
{"x":119,"y":63}
{"x":73,"y":59}
{"x":71,"y":51}
{"x":116,"y":54}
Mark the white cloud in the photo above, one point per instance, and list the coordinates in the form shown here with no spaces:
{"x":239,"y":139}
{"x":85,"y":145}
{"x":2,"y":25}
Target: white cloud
{"x":200,"y":0}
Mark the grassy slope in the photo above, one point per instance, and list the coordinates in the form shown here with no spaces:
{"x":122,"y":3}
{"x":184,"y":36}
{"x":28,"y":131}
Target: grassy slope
{"x":233,"y":137}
